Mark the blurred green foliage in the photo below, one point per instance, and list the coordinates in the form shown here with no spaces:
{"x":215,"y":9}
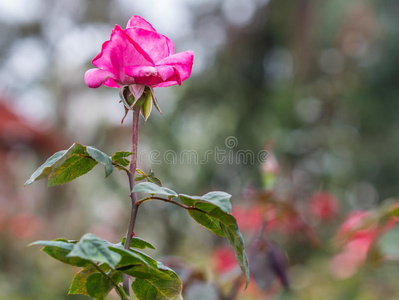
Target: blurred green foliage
{"x":314,"y":82}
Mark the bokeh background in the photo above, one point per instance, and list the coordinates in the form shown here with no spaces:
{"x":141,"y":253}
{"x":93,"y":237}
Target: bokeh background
{"x":313,"y":83}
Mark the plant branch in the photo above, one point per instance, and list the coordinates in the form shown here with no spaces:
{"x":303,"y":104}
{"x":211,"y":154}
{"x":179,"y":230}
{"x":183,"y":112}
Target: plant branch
{"x":132,"y":169}
{"x":120,"y":291}
{"x":170,"y":201}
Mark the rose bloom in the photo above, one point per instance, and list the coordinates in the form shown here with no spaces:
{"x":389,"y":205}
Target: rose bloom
{"x":139,"y":56}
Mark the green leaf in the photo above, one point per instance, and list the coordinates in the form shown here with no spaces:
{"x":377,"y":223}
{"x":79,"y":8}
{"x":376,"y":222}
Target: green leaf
{"x":230,"y":227}
{"x":150,"y":177}
{"x":152,"y":189}
{"x":67,"y":165}
{"x":141,"y":175}
{"x":78,"y":285}
{"x":64,"y":166}
{"x":101,"y":158}
{"x":59,"y":249}
{"x":158,"y":288}
{"x":140,"y":243}
{"x":98,"y":285}
{"x":215,"y":215}
{"x":208,"y":222}
{"x":45,"y":169}
{"x":73,"y":156}
{"x":209,"y":201}
{"x":140,"y":265}
{"x":137,"y":264}
{"x":75,"y":166}
{"x":121,"y":158}
{"x":132,"y":263}
{"x":91,"y":250}
{"x":95,"y":250}
{"x":91,"y":282}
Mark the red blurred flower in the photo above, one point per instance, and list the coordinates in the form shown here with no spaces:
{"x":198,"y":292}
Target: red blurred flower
{"x":357,"y":233}
{"x":323,"y":205}
{"x":248,"y":218}
{"x":224,"y":259}
{"x":25,"y":225}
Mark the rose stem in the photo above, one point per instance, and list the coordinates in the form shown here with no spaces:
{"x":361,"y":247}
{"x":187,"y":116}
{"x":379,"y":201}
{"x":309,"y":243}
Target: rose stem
{"x":132,"y":169}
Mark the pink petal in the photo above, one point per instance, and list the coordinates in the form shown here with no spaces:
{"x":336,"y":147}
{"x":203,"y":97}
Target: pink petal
{"x":112,"y":83}
{"x":141,"y":71}
{"x":149,"y":76}
{"x":94,"y":78}
{"x":139,"y":22}
{"x":156,"y":45}
{"x":178,"y":77}
{"x":165,"y":72}
{"x":118,"y":52}
{"x":182,"y":63}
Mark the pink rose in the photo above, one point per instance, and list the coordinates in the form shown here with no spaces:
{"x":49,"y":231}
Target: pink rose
{"x":138,"y":56}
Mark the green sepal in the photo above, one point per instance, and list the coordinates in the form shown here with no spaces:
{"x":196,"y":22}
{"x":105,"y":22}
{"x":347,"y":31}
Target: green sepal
{"x":214,"y":213}
{"x":152,"y":189}
{"x":155,"y":101}
{"x":146,"y":107}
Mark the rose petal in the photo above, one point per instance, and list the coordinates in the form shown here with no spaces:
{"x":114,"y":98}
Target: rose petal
{"x":139,"y":22}
{"x":121,"y":51}
{"x":165,"y":72}
{"x":178,"y":77}
{"x":94,"y":78}
{"x":156,"y":45}
{"x":144,"y":75}
{"x":182,"y":63}
{"x":141,"y":71}
{"x":112,"y":83}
